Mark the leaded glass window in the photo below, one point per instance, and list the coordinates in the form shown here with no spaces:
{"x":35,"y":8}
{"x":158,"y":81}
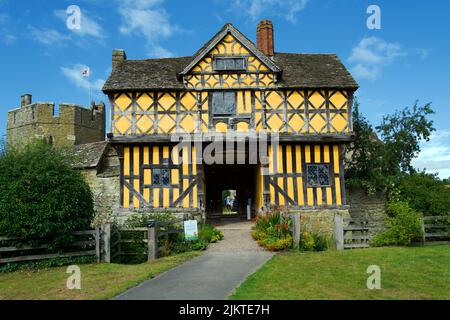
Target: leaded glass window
{"x":161,"y":176}
{"x":229,"y":64}
{"x":224,"y":103}
{"x":318,"y":175}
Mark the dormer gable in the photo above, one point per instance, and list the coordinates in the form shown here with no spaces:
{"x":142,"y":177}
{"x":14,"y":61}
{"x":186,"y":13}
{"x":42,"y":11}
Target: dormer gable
{"x":230,"y":42}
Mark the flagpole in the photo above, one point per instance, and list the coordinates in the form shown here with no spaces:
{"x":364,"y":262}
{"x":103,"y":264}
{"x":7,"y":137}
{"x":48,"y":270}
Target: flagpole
{"x":89,"y":80}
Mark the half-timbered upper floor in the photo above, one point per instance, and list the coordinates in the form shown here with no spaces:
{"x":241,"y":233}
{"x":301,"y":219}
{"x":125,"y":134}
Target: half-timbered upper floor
{"x":231,"y":84}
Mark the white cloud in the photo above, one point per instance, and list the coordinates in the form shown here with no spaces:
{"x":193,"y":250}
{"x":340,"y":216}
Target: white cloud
{"x":257,"y":9}
{"x":6,"y":36}
{"x":88,"y":26}
{"x":148,"y":19}
{"x":422,"y":53}
{"x":74,"y":75}
{"x":371,"y":55}
{"x":47,"y":36}
{"x":435,"y":154}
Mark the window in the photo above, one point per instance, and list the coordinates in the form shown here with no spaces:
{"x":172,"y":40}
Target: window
{"x":229,"y":64}
{"x":318,"y":175}
{"x":224,"y":103}
{"x":161,"y":176}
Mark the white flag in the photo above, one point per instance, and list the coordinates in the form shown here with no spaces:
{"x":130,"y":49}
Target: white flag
{"x":86,"y":72}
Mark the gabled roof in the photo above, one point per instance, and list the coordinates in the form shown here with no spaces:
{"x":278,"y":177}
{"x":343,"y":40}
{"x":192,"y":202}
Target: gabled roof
{"x":230,"y":29}
{"x":302,"y":71}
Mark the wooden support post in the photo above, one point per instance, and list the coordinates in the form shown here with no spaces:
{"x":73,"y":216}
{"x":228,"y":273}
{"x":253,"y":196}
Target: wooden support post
{"x":296,"y":229}
{"x":152,"y":241}
{"x":97,"y":244}
{"x":424,"y":235}
{"x":339,"y":231}
{"x":106,"y":240}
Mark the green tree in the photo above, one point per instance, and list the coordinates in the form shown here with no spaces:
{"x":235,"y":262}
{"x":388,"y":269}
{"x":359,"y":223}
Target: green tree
{"x":425,"y":193}
{"x":375,"y":163}
{"x":364,"y":159}
{"x":402,"y":133}
{"x":42,"y":197}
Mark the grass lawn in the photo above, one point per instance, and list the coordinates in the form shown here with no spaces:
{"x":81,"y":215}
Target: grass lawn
{"x":98,"y":281}
{"x":406,"y":273}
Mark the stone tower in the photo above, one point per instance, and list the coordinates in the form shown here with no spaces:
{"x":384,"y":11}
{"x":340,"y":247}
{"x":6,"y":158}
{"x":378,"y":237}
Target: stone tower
{"x":64,"y":125}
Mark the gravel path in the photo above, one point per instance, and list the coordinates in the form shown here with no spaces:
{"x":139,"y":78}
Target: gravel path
{"x":212,"y":276}
{"x":237,"y":237}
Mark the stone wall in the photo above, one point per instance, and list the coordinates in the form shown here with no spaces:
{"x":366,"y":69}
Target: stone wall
{"x":320,"y":221}
{"x":368,"y":206}
{"x":106,"y":194}
{"x":64,"y":125}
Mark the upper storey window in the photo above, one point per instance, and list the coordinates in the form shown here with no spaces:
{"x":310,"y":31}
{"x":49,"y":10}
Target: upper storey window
{"x":229,"y":64}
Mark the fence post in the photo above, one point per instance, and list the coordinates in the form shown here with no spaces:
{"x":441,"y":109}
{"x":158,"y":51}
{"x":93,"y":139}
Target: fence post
{"x":424,"y":235}
{"x":296,"y":229}
{"x":106,"y":239}
{"x":97,"y":243}
{"x":152,"y":241}
{"x":339,"y":231}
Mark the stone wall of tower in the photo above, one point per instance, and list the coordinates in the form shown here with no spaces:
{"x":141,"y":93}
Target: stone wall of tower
{"x":64,"y":125}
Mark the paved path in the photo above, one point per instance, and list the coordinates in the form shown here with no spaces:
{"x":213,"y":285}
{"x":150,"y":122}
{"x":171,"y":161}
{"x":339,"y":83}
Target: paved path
{"x":212,"y":276}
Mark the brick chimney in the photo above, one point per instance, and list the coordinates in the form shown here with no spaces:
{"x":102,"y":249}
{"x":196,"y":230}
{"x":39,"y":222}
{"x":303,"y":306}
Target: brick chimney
{"x":264,"y":37}
{"x":25,"y":100}
{"x":118,"y":55}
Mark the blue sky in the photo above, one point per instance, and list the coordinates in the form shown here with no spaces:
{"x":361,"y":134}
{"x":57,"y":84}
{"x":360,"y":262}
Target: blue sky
{"x":406,"y":60}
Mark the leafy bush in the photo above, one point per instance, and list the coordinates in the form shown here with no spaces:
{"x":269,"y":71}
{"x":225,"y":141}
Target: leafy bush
{"x":198,"y":245}
{"x":314,"y":242}
{"x":425,"y":193}
{"x":272,"y":230}
{"x":276,"y":244}
{"x":173,"y":243}
{"x":403,"y":226}
{"x":206,"y":233}
{"x":43,"y":200}
{"x":141,"y":220}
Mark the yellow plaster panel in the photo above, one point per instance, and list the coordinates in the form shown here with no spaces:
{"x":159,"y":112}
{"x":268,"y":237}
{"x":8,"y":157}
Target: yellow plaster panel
{"x":145,"y":102}
{"x":242,"y":126}
{"x":296,"y":124}
{"x":338,"y":100}
{"x":166,"y":101}
{"x":336,"y":159}
{"x":122,"y":101}
{"x":221,"y":127}
{"x":316,"y":100}
{"x":122,"y":125}
{"x":317,"y":124}
{"x":295,"y":99}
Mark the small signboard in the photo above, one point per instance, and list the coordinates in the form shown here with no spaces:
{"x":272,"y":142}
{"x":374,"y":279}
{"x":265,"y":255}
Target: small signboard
{"x":190,"y":230}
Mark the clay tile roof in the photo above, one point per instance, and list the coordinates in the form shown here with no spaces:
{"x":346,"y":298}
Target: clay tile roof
{"x":88,"y":155}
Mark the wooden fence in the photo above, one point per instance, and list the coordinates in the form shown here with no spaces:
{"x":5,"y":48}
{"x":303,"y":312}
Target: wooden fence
{"x":436,"y":230}
{"x":356,"y":233}
{"x":150,"y":236}
{"x":89,"y":243}
{"x":353,"y":233}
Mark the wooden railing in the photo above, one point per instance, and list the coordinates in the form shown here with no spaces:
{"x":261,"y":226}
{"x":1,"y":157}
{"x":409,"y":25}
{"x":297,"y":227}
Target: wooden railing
{"x":89,"y":246}
{"x":150,"y":236}
{"x":436,"y":229}
{"x":353,"y":233}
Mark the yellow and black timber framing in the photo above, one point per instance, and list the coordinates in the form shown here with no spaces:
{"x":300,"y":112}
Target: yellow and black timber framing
{"x":304,"y":100}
